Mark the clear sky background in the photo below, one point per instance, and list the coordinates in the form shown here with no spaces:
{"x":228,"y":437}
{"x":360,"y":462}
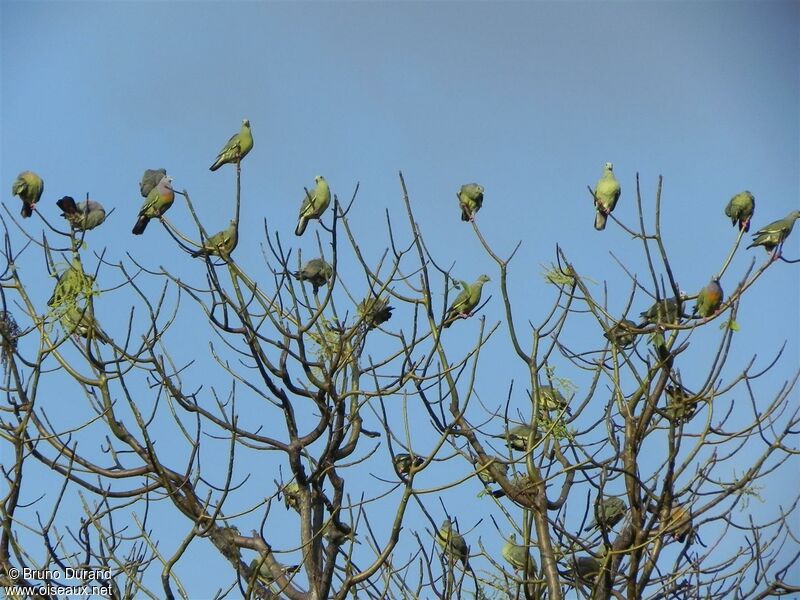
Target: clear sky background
{"x":527,"y":98}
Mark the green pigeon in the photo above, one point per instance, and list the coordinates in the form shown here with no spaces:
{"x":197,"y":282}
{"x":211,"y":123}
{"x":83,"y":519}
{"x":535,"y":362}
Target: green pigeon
{"x":741,"y":208}
{"x":518,"y":556}
{"x":518,"y":436}
{"x":522,"y":484}
{"x":237,"y":147}
{"x":314,"y":204}
{"x":291,"y":495}
{"x":221,"y":243}
{"x":80,"y":321}
{"x":709,"y":299}
{"x":609,"y":512}
{"x":316,"y":271}
{"x":551,"y":399}
{"x":470,"y":199}
{"x":452,"y":543}
{"x":375,"y":311}
{"x":585,"y":568}
{"x":466,"y":301}
{"x":84,"y":215}
{"x":72,"y":284}
{"x":156,"y":204}
{"x":485,"y":473}
{"x":403,"y":462}
{"x":680,"y":523}
{"x":620,"y":334}
{"x":265,"y":574}
{"x":681,"y":404}
{"x":665,"y":311}
{"x":774,"y":234}
{"x":150,"y":179}
{"x":29,"y":187}
{"x":607,"y":193}
{"x":338,"y":533}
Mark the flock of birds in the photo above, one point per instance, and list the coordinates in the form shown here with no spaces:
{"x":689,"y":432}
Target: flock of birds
{"x":156,"y":188}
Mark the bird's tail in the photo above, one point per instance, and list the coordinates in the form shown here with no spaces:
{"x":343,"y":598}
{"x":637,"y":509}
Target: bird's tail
{"x":67,"y":205}
{"x":197,"y":253}
{"x":600,"y":221}
{"x":141,"y":225}
{"x":464,"y":215}
{"x":27,"y":210}
{"x":301,"y":226}
{"x":217,"y":164}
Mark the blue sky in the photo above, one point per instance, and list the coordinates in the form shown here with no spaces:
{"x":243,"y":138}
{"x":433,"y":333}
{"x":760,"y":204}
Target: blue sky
{"x":527,"y":98}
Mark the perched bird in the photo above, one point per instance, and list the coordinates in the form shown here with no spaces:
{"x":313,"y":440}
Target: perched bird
{"x":237,"y":147}
{"x":375,"y":311}
{"x":741,"y":208}
{"x":150,"y":179}
{"x":452,"y":543}
{"x":221,"y":243}
{"x":680,"y":523}
{"x":606,"y":194}
{"x":774,"y":234}
{"x":29,"y":187}
{"x":84,"y":215}
{"x":608,"y":512}
{"x":470,"y":199}
{"x":522,"y":484}
{"x":494,"y":464}
{"x":551,"y":399}
{"x":585,"y":568}
{"x":72,"y":285}
{"x":665,"y":311}
{"x":620,"y":334}
{"x":518,"y":437}
{"x":518,"y":556}
{"x":156,"y":204}
{"x":466,"y":301}
{"x":403,"y":462}
{"x":709,"y":299}
{"x":291,"y":495}
{"x":314,"y":204}
{"x":81,"y":321}
{"x":337,"y":533}
{"x":265,"y":574}
{"x":681,"y":404}
{"x":316,"y":271}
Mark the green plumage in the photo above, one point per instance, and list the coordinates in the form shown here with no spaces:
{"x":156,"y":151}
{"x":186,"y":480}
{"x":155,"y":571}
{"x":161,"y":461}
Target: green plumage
{"x":291,"y":495}
{"x":316,"y":271}
{"x":522,"y":484}
{"x":403,"y":462}
{"x":466,"y":301}
{"x":82,"y":216}
{"x":314,"y":204}
{"x":585,"y":568}
{"x":374,"y":311}
{"x":620,"y":334}
{"x":709,"y":299}
{"x":774,"y":234}
{"x":72,"y":304}
{"x":156,"y":204}
{"x":470,"y":199}
{"x":606,"y":192}
{"x":609,"y":512}
{"x":518,"y":556}
{"x":551,"y":399}
{"x":29,"y":187}
{"x":81,"y":322}
{"x":680,"y":523}
{"x":495,"y":467}
{"x":221,"y":243}
{"x":518,"y":437}
{"x":150,"y":179}
{"x":236,"y":148}
{"x":681,"y":404}
{"x":452,"y":543}
{"x":665,"y":311}
{"x":266,"y":576}
{"x":740,"y":209}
